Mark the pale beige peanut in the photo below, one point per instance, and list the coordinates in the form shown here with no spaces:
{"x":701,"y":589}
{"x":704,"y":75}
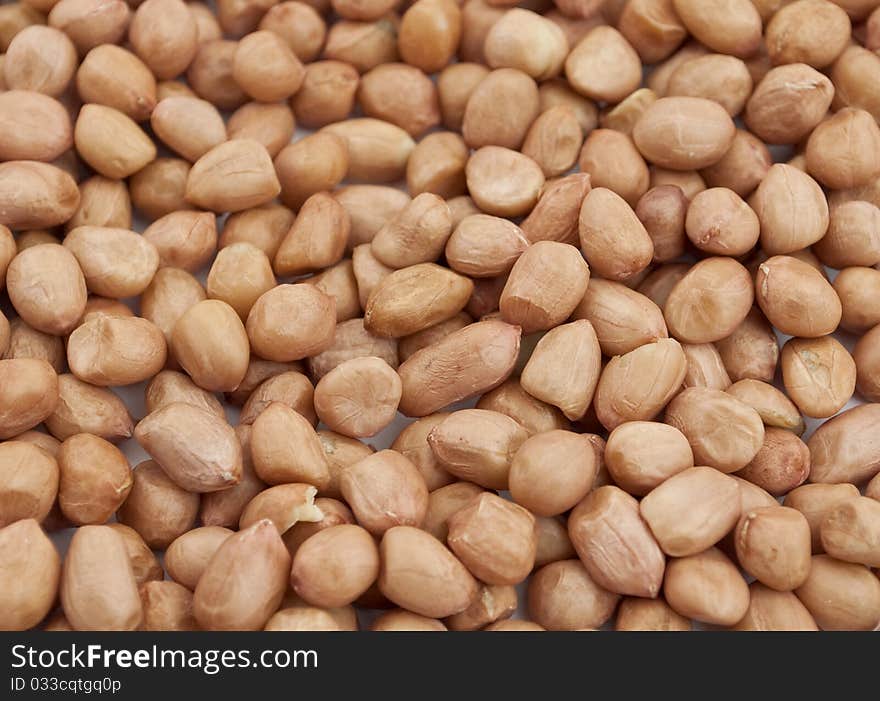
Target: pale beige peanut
{"x":724,"y":79}
{"x":339,"y":282}
{"x":844,"y":448}
{"x":622,"y":318}
{"x":95,"y":479}
{"x":171,"y":293}
{"x":89,"y":23}
{"x":505,"y":91}
{"x":285,"y":448}
{"x":98,"y":589}
{"x":751,"y":351}
{"x":417,"y":234}
{"x":841,"y":595}
{"x":525,"y":40}
{"x":727,"y":27}
{"x":244,"y":581}
{"x":334,"y":513}
{"x":167,"y":606}
{"x":266,"y":68}
{"x":455,"y":84}
{"x":240,"y":274}
{"x":40,"y":58}
{"x":156,"y":510}
{"x":819,"y":375}
{"x":116,"y":262}
{"x":850,"y":531}
{"x":272,"y":125}
{"x":623,"y":116}
{"x":615,"y":544}
{"x":224,"y":507}
{"x":313,"y":164}
{"x":807,"y":31}
{"x":775,"y":409}
{"x":185,"y":239}
{"x":641,"y":455}
{"x":495,"y":602}
{"x":210,"y":461}
{"x":420,"y":574}
{"x":232,"y":176}
{"x":412,"y":443}
{"x":84,"y":408}
{"x":316,"y":240}
{"x":290,"y":322}
{"x":719,"y":222}
{"x":385,"y":490}
{"x":603,"y":66}
{"x":188,"y":126}
{"x":544,"y":287}
{"x":47,"y":288}
{"x":259,"y":371}
{"x":415,"y":298}
{"x":401,"y":95}
{"x":552,"y":471}
{"x":612,"y":161}
{"x":210,"y":343}
{"x":473,"y":374}
{"x":503,"y":182}
{"x":554,"y":139}
{"x":111,"y":142}
{"x":477,"y":445}
{"x":113,"y":351}
{"x":112,"y":76}
{"x":705,"y":367}
{"x":842,"y":150}
{"x":866,"y":357}
{"x":662,"y":211}
{"x":816,"y":500}
{"x":494,"y":538}
{"x":284,"y":505}
{"x":359,"y":397}
{"x":796,"y":297}
{"x":348,"y":549}
{"x":563,"y":596}
{"x":352,"y":340}
{"x":532,"y":414}
{"x":636,"y":386}
{"x":723,"y":432}
{"x":368,"y":271}
{"x":29,"y":395}
{"x":165,"y":35}
{"x":706,"y":587}
{"x":377,"y":150}
{"x":564,"y":368}
{"x":188,"y":555}
{"x":684,"y":133}
{"x":443,"y":503}
{"x":613,"y":240}
{"x":36,"y":127}
{"x":791,"y":209}
{"x":774,"y":610}
{"x":103,"y":202}
{"x":743,"y":167}
{"x":263,"y":226}
{"x":709,"y":302}
{"x":28,"y":482}
{"x":27,"y":342}
{"x":437,"y":165}
{"x":429,"y":34}
{"x":692,"y":510}
{"x":773,"y":545}
{"x":327,"y":93}
{"x":29,"y":576}
{"x":484,"y":246}
{"x":636,"y":614}
{"x":555,"y":216}
{"x":852,"y":237}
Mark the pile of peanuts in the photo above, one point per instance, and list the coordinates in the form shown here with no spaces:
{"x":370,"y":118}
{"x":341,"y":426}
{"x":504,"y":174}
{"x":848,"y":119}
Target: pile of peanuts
{"x":638,"y":353}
